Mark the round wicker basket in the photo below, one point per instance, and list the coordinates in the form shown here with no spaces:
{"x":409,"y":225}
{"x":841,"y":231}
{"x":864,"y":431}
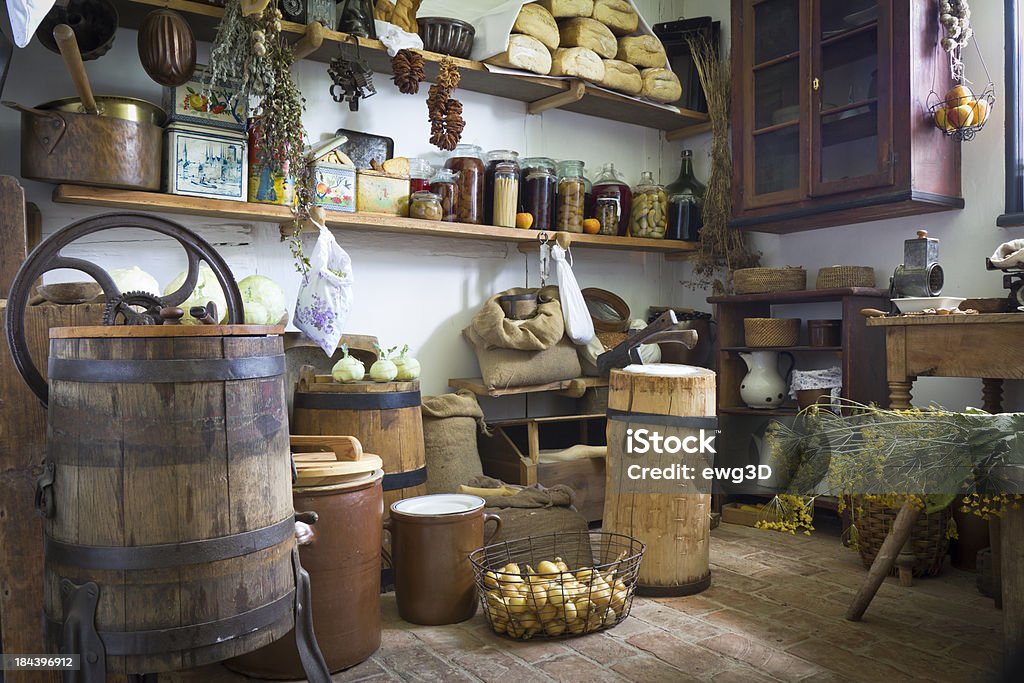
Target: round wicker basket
{"x":835,"y":277}
{"x":928,"y":541}
{"x":765,"y":280}
{"x":772,"y":332}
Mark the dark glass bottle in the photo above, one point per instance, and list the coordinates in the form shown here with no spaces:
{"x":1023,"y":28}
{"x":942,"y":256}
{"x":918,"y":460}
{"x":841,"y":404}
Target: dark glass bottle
{"x":685,"y":203}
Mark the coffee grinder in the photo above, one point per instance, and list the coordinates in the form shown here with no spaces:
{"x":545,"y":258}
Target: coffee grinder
{"x":920,"y":273}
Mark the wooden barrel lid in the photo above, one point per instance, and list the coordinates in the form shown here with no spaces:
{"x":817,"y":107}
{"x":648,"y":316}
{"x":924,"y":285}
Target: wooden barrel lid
{"x":320,"y":471}
{"x":359,"y":482}
{"x":163,"y":331}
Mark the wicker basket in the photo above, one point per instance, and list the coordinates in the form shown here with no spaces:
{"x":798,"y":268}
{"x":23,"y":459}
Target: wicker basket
{"x":615,"y":557}
{"x":772,"y":331}
{"x":835,"y":277}
{"x":927,"y":540}
{"x":765,"y":280}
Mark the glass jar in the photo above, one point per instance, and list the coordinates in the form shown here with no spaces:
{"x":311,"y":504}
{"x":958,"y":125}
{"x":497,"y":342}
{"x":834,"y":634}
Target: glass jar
{"x":612,"y":201}
{"x":544,"y":192}
{"x":505,"y":179}
{"x":445,"y":185}
{"x":588,"y":192}
{"x":466,"y":163}
{"x":420,"y":172}
{"x":571,"y":196}
{"x":649,"y":214}
{"x":685,"y":203}
{"x":425,"y":206}
{"x":493,"y":158}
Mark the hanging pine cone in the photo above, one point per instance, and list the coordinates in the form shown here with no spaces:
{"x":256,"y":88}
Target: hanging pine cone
{"x":407,"y":67}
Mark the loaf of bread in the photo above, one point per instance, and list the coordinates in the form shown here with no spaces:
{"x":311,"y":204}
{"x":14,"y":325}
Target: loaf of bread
{"x":661,"y":85}
{"x":563,"y":9}
{"x":588,"y":33}
{"x":535,"y":21}
{"x":622,"y":77}
{"x":524,"y":52}
{"x":618,"y":15}
{"x":646,"y":52}
{"x":579,"y":62}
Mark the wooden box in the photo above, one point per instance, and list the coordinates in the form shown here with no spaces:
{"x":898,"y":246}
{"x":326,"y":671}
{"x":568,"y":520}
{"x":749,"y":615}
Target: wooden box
{"x":512,"y":453}
{"x":745,"y":514}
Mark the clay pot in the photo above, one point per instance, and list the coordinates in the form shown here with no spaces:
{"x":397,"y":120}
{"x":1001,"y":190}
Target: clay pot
{"x":167,"y":48}
{"x":431,"y":539}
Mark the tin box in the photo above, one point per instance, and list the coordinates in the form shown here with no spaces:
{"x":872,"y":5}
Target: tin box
{"x":335,"y":187}
{"x":198,"y":103}
{"x":205,"y":162}
{"x":377,"y":192}
{"x":266,"y":187}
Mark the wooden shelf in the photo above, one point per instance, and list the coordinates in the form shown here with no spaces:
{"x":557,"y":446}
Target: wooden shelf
{"x":580,"y":384}
{"x":762,"y":412}
{"x":135,"y":200}
{"x":809,"y":349}
{"x":802,"y":296}
{"x":475,"y":77}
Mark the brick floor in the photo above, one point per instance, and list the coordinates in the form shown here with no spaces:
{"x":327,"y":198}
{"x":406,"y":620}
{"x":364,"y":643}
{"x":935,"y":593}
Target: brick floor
{"x":773,"y":613}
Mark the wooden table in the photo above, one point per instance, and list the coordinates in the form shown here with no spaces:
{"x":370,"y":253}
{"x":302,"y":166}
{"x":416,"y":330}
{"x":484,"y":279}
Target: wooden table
{"x":986,"y":346}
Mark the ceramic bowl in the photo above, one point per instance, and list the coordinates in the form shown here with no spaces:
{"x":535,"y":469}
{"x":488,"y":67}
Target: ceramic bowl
{"x":916,"y":304}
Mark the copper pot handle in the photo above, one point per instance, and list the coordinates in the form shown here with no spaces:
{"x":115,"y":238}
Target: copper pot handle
{"x":56,"y":126}
{"x":64,"y":36}
{"x":497,"y":526}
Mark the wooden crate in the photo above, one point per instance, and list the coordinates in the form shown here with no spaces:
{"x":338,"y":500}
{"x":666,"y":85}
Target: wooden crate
{"x":512,"y":453}
{"x":745,"y":514}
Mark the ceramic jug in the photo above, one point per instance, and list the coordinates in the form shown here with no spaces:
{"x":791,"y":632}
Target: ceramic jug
{"x":763,"y":386}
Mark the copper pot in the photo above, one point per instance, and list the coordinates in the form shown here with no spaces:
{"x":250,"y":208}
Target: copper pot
{"x":431,"y":539}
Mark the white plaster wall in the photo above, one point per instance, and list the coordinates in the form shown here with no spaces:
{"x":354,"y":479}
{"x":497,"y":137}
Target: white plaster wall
{"x":416,"y":290}
{"x":967,"y":236}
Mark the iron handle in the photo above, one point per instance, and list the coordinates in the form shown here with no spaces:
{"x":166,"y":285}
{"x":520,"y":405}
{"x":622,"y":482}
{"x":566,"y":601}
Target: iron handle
{"x":44,"y":491}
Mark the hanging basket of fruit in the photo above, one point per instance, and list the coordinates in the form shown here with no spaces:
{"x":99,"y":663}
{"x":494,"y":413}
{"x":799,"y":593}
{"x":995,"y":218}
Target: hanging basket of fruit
{"x":962,"y":112}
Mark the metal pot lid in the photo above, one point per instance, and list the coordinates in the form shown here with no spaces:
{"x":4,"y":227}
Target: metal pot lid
{"x":127,"y":108}
{"x":438,"y":504}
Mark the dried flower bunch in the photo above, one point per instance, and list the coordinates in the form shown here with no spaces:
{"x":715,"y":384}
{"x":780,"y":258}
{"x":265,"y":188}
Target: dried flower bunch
{"x":445,"y":113}
{"x":407,"y":67}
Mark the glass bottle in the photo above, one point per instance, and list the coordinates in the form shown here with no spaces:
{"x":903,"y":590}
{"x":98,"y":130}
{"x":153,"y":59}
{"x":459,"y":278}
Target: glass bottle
{"x":588,"y":191}
{"x":506,"y":194}
{"x":685,"y":203}
{"x":571,"y":196}
{"x":445,"y":185}
{"x":465,"y":161}
{"x":420,"y":172}
{"x":612,"y":201}
{"x":425,"y":206}
{"x":493,"y":158}
{"x":648,"y":217}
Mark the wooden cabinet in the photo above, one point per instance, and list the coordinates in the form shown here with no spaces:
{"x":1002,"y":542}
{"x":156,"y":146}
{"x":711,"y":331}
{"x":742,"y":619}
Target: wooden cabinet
{"x":830,"y":123}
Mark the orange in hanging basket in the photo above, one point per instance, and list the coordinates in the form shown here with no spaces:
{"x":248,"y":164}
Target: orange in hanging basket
{"x":961,"y":113}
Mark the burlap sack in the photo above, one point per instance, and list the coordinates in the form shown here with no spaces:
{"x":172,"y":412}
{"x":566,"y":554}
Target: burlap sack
{"x":544,"y":330}
{"x":503,"y":368}
{"x":450,"y":422}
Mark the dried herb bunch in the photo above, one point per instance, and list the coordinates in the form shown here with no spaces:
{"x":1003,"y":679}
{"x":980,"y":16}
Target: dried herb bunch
{"x":721,"y":249}
{"x":240,"y":53}
{"x":445,"y":113}
{"x":407,"y":67}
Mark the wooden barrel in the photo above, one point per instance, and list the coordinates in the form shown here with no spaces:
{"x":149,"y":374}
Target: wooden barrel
{"x":343,"y":562}
{"x":171,"y":492}
{"x":384,"y":416}
{"x":670,"y":516}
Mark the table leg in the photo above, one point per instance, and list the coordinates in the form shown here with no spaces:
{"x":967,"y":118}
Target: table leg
{"x":1013,"y":580}
{"x":992,"y":395}
{"x":995,"y":539}
{"x":899,"y":393}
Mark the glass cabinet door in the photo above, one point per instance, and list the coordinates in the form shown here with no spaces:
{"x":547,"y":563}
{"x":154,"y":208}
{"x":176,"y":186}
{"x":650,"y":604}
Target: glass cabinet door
{"x":851,"y":121}
{"x":774,"y":154}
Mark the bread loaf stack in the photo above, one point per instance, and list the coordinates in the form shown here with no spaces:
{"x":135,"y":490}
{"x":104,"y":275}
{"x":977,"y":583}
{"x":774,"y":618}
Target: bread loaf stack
{"x":600,"y":41}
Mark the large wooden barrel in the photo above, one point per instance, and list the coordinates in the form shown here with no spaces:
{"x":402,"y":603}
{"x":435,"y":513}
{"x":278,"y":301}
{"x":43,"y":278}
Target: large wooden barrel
{"x":384,"y":416}
{"x":171,"y":491}
{"x":670,"y":516}
{"x":343,"y":562}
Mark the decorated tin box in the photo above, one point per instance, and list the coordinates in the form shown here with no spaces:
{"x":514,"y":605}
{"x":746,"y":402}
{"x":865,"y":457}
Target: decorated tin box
{"x":266,"y":187}
{"x":205,"y":162}
{"x":198,"y":103}
{"x":377,"y":192}
{"x":335,"y":186}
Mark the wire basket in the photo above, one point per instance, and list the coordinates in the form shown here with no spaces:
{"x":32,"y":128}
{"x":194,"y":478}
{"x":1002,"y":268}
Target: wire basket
{"x":560,"y":585}
{"x":962,"y":112}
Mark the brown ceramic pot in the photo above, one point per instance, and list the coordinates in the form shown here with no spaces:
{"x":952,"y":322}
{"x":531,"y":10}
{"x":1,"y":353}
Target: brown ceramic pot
{"x":431,"y":539}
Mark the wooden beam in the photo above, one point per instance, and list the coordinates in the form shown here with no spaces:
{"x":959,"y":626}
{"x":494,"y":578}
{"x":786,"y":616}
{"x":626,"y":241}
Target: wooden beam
{"x":687,"y":132}
{"x":310,"y":41}
{"x":575,"y":93}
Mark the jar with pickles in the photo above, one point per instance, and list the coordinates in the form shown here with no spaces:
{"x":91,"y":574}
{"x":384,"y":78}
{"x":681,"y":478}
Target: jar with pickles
{"x":649,"y":213}
{"x":465,"y":161}
{"x":493,"y":158}
{"x":612,"y":202}
{"x":444,"y":185}
{"x":425,"y":206}
{"x":571,"y":197}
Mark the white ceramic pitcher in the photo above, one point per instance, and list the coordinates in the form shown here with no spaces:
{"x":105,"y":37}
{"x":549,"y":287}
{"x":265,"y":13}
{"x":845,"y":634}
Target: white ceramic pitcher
{"x":763,"y":386}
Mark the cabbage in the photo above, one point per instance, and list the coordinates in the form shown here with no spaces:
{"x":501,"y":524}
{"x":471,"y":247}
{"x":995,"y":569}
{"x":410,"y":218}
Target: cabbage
{"x":135,"y":279}
{"x":267,"y":296}
{"x":207,"y":290}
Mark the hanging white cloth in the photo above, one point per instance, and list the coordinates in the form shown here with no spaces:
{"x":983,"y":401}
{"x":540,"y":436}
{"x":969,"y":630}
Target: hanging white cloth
{"x":578,"y":324}
{"x":26,"y":15}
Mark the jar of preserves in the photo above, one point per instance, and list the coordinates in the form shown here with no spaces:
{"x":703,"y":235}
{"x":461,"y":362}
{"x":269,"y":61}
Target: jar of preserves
{"x":588,"y":192}
{"x":425,"y":206}
{"x":612,"y":201}
{"x":493,"y":158}
{"x":685,"y":203}
{"x":649,"y":214}
{"x":468,"y":166}
{"x":571,"y":196}
{"x":541,"y":190}
{"x":445,"y":185}
{"x":505,"y":180}
{"x":420,"y":172}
